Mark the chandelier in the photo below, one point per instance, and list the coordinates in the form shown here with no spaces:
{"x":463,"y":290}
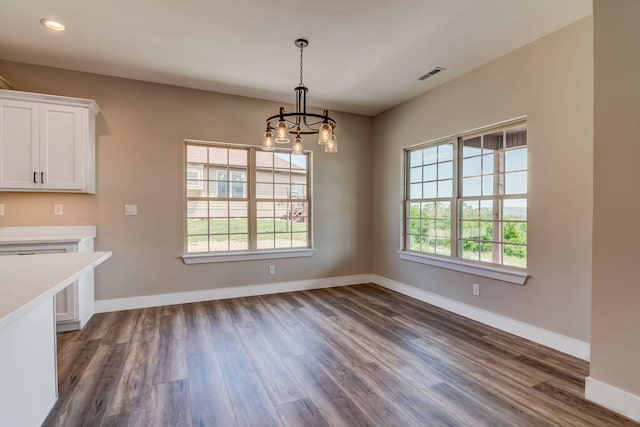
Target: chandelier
{"x":301,"y":122}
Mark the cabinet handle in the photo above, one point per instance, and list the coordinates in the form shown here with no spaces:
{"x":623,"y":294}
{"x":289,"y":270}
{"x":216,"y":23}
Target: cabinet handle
{"x":27,"y":253}
{"x":42,"y":177}
{"x":34,"y":178}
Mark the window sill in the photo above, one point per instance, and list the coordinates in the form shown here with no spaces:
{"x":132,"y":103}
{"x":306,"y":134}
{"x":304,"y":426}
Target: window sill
{"x":498,"y":273}
{"x":246,"y":256}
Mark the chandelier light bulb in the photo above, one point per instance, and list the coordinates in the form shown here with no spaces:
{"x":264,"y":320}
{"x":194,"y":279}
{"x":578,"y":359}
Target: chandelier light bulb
{"x":324,"y":133}
{"x":332,"y":145}
{"x":297,"y":146}
{"x":282,"y":133}
{"x":268,"y":143}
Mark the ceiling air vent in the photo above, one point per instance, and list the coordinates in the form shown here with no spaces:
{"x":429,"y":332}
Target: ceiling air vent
{"x":431,"y":73}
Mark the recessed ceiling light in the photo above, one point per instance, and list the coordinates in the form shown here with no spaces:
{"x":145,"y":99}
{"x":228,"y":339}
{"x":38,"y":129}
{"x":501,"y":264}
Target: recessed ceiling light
{"x":52,"y":24}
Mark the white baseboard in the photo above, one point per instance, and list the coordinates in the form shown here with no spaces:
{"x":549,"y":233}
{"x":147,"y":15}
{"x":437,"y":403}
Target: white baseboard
{"x":613,"y":398}
{"x":103,"y":306}
{"x":568,"y":345}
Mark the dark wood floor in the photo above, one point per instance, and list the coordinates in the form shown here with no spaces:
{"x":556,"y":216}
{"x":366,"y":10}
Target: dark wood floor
{"x":350,"y":356}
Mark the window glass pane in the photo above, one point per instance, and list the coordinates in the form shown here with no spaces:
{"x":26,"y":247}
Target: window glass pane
{"x":487,"y":164}
{"x":414,"y":243}
{"x":218,"y":156}
{"x":429,"y":227}
{"x":218,"y":226}
{"x":266,"y":225}
{"x":298,"y":191}
{"x":471,"y":166}
{"x":266,"y":241}
{"x":443,"y":210}
{"x":299,"y":240}
{"x":443,"y":229}
{"x":443,"y":246}
{"x":487,"y":185}
{"x":445,"y":170}
{"x":265,"y":209}
{"x":415,"y":174}
{"x":487,"y":253}
{"x":515,"y":232}
{"x":197,"y":188}
{"x":486,"y":209}
{"x":197,"y":244}
{"x":471,"y":187}
{"x":430,"y":173}
{"x":429,"y":190}
{"x":515,"y":209}
{"x":428,"y":210}
{"x":470,"y":209}
{"x":415,"y":158}
{"x":515,"y":182}
{"x":471,"y":147}
{"x":445,"y":188}
{"x":219,"y":242}
{"x":515,"y":256}
{"x":283,"y":240}
{"x":415,"y":191}
{"x":264,"y":191}
{"x":239,"y":242}
{"x":445,"y":152}
{"x":414,"y":210}
{"x":470,"y":229}
{"x":196,"y":154}
{"x":492,"y":142}
{"x":238,"y":157}
{"x":197,"y":226}
{"x":430,"y":155}
{"x":515,"y":159}
{"x":283,"y":191}
{"x":238,"y":225}
{"x":414,"y":226}
{"x":299,"y":163}
{"x":486,"y":231}
{"x":197,"y":208}
{"x":264,"y":159}
{"x":470,"y":250}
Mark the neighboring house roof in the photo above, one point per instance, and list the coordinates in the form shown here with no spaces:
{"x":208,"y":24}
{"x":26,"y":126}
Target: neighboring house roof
{"x":218,"y":156}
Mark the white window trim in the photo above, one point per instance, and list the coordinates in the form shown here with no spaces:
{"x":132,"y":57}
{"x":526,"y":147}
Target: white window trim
{"x":254,"y":254}
{"x":247,"y":255}
{"x":492,"y":271}
{"x":456,"y":264}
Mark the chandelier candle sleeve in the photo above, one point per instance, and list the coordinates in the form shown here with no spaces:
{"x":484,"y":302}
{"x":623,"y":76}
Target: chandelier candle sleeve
{"x":300,"y":122}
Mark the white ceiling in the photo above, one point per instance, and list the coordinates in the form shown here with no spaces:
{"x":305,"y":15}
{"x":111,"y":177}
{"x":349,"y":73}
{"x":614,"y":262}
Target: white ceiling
{"x":364,"y":56}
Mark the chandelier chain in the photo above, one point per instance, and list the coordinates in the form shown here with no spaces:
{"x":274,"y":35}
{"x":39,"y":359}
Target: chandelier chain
{"x":301,"y":49}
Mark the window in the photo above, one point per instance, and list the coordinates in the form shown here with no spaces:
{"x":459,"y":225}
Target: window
{"x":244,"y":199}
{"x":466,"y":197}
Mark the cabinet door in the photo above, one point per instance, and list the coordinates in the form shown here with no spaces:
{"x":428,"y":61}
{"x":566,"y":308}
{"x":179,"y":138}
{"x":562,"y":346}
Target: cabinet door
{"x":62,"y":151}
{"x":66,"y":300}
{"x":19,"y":144}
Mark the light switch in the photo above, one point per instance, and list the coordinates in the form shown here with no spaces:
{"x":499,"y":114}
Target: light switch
{"x":130,"y":210}
{"x":1,"y":209}
{"x":58,"y":209}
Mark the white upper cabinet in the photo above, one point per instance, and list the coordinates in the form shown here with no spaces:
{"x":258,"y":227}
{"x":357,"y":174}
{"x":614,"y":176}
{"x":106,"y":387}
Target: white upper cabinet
{"x":47,"y":143}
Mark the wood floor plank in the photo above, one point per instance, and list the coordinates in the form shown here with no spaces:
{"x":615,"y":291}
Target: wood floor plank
{"x":276,"y":378}
{"x":172,"y":355}
{"x":326,"y":394}
{"x":301,"y":412}
{"x":357,"y":355}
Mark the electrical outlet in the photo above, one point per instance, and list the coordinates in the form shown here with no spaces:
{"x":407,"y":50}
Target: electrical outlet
{"x":1,"y":209}
{"x":272,"y":270}
{"x":131,"y":210}
{"x":476,"y":290}
{"x":58,"y":209}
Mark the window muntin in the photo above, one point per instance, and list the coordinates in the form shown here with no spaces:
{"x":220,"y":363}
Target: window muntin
{"x":428,"y":227}
{"x":491,"y":206}
{"x":223,"y":214}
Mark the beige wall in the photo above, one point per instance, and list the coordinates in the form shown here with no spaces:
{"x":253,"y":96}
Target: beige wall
{"x":615,"y":348}
{"x":140,"y":137}
{"x":551,"y":82}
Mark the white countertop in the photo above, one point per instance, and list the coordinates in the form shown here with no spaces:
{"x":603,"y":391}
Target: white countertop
{"x":46,"y":234}
{"x":26,"y":280}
